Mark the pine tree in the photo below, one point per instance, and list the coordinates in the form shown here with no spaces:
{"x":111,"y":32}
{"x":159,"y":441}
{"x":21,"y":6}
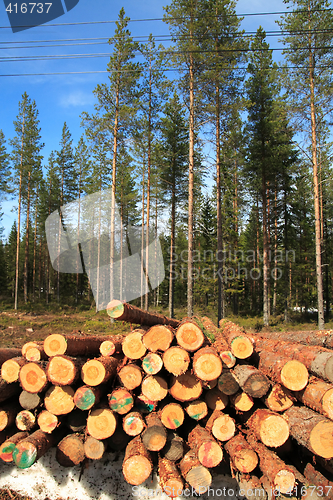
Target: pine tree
{"x":309,"y":36}
{"x":4,"y":168}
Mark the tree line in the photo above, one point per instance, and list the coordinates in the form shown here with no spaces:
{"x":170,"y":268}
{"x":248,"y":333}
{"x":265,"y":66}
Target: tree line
{"x":228,"y":163}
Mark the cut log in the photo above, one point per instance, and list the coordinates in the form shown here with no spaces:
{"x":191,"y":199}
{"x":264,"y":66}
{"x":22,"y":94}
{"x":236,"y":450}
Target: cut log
{"x":28,"y":345}
{"x":228,"y":359}
{"x":269,"y":427}
{"x":323,"y":486}
{"x":121,"y":401}
{"x":317,"y":395}
{"x":251,"y":380}
{"x":197,"y":409}
{"x":278,"y":399}
{"x":8,"y":413}
{"x":130,"y":376}
{"x":186,"y":387}
{"x":279,"y":474}
{"x":209,"y":384}
{"x":29,"y":401}
{"x":222,"y":426}
{"x":172,"y":415}
{"x":25,"y":420}
{"x":137,"y":464}
{"x":35,"y":353}
{"x":189,"y":336}
{"x":311,"y":430}
{"x":242,"y":456}
{"x":210,"y":330}
{"x":144,"y":404}
{"x":207,"y":364}
{"x":101,"y":423}
{"x":208,"y":451}
{"x":133,"y":423}
{"x":241,"y":402}
{"x":70,"y":450}
{"x":152,"y":363}
{"x":176,"y":360}
{"x":98,"y":371}
{"x":76,"y":420}
{"x":240,"y":345}
{"x":290,"y":373}
{"x":174,"y":448}
{"x":250,"y":487}
{"x":59,"y":400}
{"x":8,"y":353}
{"x":228,"y":383}
{"x":154,"y":388}
{"x":47,"y":421}
{"x":112,"y":345}
{"x":310,"y":338}
{"x":94,"y":448}
{"x":126,"y":312}
{"x":86,"y":397}
{"x":10,"y":369}
{"x":216,"y":400}
{"x":7,"y":448}
{"x":74,"y":345}
{"x":63,"y":370}
{"x":194,"y":473}
{"x":30,"y":449}
{"x":8,"y":390}
{"x":158,"y":338}
{"x":154,"y":436}
{"x":171,"y":481}
{"x":33,"y":377}
{"x":133,"y":347}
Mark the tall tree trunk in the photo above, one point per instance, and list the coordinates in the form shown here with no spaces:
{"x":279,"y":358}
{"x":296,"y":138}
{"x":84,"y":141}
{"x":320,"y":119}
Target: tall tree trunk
{"x":148,"y":179}
{"x":113,"y":198}
{"x":78,"y":238}
{"x":26,"y":250}
{"x":143,"y":228}
{"x":172,"y":249}
{"x":19,"y":215}
{"x":35,"y":250}
{"x":190,"y":192}
{"x":275,"y":250}
{"x":220,"y":303}
{"x":321,"y":320}
{"x":265,"y":251}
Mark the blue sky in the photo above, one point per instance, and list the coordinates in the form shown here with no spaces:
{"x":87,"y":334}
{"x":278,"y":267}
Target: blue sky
{"x":61,"y":98}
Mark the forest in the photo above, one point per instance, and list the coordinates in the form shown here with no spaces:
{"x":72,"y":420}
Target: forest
{"x":217,"y":150}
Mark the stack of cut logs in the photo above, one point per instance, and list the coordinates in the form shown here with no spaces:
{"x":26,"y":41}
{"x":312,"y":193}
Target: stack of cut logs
{"x":185,"y":396}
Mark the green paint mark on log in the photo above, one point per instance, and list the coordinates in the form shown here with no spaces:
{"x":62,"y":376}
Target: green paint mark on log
{"x":84,"y":398}
{"x":24,"y":455}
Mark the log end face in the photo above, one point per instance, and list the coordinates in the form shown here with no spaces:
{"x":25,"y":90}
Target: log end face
{"x":93,"y":372}
{"x":210,"y":454}
{"x":274,"y":431}
{"x":199,"y":478}
{"x":55,"y":344}
{"x":321,"y":439}
{"x":190,"y":336}
{"x":294,"y":375}
{"x":24,"y":454}
{"x":136,"y":470}
{"x":208,"y":367}
{"x":84,"y":398}
{"x":284,"y":481}
{"x":241,"y":347}
{"x":223,"y":428}
{"x":246,"y":460}
{"x":115,"y":309}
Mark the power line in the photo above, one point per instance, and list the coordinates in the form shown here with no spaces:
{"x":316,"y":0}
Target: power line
{"x":250,"y":14}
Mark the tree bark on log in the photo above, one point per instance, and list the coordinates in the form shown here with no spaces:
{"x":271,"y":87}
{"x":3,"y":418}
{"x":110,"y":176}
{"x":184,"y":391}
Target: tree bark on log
{"x":207,"y":364}
{"x":158,"y":338}
{"x":70,"y":450}
{"x":208,"y":451}
{"x":30,"y":449}
{"x":186,"y":387}
{"x":74,"y":345}
{"x":317,"y":395}
{"x":155,"y":435}
{"x":309,"y":338}
{"x":194,"y":473}
{"x":171,"y":481}
{"x":8,"y":353}
{"x":290,"y":373}
{"x":279,"y":474}
{"x":8,"y":390}
{"x":137,"y":464}
{"x":222,"y":426}
{"x":250,"y":487}
{"x":251,"y":380}
{"x":176,"y":360}
{"x":269,"y":427}
{"x":122,"y":311}
{"x":321,"y":482}
{"x":8,"y":446}
{"x":242,"y":456}
{"x":10,"y":369}
{"x":99,"y":371}
{"x":8,"y":413}
{"x":311,"y":430}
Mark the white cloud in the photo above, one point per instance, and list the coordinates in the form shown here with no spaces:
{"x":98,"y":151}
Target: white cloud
{"x":76,"y":98}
